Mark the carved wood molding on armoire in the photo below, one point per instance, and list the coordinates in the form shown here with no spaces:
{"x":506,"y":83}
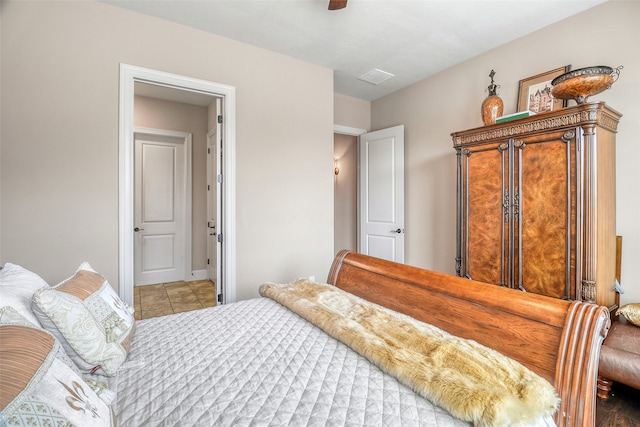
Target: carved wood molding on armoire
{"x":536,"y":203}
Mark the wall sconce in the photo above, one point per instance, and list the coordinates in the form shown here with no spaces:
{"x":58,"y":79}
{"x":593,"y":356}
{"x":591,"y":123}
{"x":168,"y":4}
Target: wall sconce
{"x":336,"y":167}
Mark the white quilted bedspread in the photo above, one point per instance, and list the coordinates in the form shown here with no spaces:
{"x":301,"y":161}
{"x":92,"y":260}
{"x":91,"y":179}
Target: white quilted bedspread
{"x":254,"y":363}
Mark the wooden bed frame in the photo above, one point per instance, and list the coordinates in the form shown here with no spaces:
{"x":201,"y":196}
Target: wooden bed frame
{"x":557,"y":339}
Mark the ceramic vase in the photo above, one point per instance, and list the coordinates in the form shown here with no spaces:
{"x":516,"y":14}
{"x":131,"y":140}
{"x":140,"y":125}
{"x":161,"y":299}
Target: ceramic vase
{"x":492,"y":106}
{"x":491,"y":109}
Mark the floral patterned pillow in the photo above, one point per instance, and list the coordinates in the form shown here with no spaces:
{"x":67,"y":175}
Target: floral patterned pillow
{"x":92,"y":323}
{"x":631,"y":312}
{"x":40,"y":385}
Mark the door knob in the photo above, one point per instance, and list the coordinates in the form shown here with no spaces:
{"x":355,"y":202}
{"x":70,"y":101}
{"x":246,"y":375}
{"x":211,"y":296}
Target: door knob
{"x":399,"y":230}
{"x":138,"y":229}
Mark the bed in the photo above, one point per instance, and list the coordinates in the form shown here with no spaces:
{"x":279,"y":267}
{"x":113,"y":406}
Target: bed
{"x":262,"y":362}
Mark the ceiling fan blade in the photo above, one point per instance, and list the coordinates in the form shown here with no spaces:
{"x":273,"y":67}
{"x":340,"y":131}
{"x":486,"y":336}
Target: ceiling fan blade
{"x":337,"y":4}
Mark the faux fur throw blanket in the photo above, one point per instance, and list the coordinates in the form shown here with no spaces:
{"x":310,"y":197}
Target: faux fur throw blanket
{"x":472,"y":382}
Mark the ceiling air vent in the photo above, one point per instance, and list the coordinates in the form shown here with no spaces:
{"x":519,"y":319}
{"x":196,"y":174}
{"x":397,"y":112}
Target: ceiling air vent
{"x":375,"y":76}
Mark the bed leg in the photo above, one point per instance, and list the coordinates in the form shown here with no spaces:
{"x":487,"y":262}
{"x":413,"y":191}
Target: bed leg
{"x":604,"y":387}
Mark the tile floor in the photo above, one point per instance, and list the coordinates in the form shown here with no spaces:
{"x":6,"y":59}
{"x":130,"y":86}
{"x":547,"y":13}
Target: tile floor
{"x":176,"y":297}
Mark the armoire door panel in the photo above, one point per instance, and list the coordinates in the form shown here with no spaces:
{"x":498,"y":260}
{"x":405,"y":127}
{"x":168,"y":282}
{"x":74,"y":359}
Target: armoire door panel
{"x":485,"y":224}
{"x":542,"y":179}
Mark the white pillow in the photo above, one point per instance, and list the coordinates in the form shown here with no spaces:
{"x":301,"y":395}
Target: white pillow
{"x":91,"y":322}
{"x":17,"y":286}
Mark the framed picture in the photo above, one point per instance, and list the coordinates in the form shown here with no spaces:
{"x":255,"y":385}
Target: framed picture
{"x":535,"y":92}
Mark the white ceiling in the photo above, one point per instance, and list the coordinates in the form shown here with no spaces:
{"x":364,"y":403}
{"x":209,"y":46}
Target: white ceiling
{"x":412,"y":39}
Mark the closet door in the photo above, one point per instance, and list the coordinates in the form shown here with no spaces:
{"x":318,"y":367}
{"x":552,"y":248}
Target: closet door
{"x":485,"y":221}
{"x":545,"y":214}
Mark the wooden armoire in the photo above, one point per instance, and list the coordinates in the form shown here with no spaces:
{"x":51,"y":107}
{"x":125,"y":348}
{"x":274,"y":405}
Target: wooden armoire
{"x":536,"y":203}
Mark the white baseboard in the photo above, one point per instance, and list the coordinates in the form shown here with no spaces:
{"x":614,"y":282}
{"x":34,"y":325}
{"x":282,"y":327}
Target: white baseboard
{"x":199,"y":274}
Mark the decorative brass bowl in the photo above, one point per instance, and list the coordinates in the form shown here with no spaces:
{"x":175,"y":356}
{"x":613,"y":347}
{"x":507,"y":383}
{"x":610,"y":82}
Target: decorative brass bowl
{"x":580,"y":84}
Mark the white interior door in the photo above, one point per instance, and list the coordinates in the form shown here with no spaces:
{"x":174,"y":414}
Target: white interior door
{"x":381,"y":194}
{"x":214,"y":203}
{"x":162,"y":206}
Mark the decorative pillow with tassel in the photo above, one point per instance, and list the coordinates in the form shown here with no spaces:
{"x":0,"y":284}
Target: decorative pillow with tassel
{"x":631,"y":312}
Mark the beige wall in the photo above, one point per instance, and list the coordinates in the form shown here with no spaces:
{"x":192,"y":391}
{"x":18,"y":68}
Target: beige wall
{"x":351,"y":112}
{"x":176,"y":116}
{"x":345,"y":192}
{"x":59,"y":135}
{"x":450,"y":101}
{"x":59,"y":140}
{"x":1,"y":83}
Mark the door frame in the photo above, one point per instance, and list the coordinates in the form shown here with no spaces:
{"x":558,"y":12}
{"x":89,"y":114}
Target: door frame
{"x":188,"y":203}
{"x":129,"y":74}
{"x":212,"y":181}
{"x":348,"y":130}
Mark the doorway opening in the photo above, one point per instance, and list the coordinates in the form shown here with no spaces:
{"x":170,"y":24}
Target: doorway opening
{"x":130,"y":76}
{"x":345,"y":197}
{"x":345,"y":192}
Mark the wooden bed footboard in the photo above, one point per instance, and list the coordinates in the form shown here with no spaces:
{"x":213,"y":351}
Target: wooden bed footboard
{"x":557,"y":339}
